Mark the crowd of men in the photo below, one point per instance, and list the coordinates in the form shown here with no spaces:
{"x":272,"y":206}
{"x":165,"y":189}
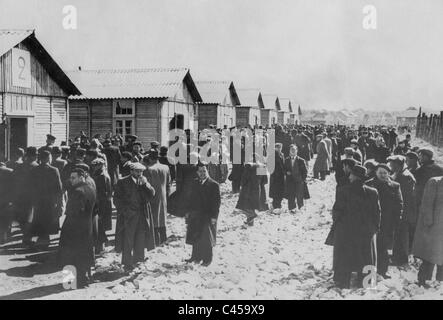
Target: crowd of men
{"x":388,"y":203}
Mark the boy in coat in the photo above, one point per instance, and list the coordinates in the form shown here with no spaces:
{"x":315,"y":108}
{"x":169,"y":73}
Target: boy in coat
{"x":296,"y":174}
{"x":202,"y":218}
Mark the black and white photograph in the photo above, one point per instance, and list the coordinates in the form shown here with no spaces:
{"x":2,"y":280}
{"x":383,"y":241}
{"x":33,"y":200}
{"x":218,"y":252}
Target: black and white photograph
{"x":242,"y":151}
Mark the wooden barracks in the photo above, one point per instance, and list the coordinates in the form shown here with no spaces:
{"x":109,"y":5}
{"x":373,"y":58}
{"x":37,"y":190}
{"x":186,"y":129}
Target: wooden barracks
{"x":33,"y":93}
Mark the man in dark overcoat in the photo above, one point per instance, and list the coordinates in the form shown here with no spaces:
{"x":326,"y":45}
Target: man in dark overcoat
{"x":76,"y":241}
{"x":203,"y":211}
{"x":391,"y":204}
{"x":103,"y":206}
{"x":277,"y":179}
{"x":296,"y":174}
{"x":131,"y":198}
{"x":6,"y":192}
{"x":113,"y":155}
{"x":22,"y":200}
{"x":406,"y":229}
{"x":46,"y":198}
{"x":427,"y":170}
{"x":303,"y":144}
{"x":356,"y":216}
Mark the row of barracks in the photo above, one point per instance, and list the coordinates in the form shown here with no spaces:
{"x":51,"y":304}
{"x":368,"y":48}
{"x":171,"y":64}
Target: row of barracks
{"x":37,"y":97}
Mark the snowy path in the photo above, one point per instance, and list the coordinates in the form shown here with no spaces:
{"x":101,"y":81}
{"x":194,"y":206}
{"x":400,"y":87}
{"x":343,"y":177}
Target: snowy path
{"x":280,"y":257}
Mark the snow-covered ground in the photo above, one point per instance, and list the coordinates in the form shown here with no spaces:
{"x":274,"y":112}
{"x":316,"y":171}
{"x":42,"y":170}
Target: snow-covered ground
{"x":280,"y":257}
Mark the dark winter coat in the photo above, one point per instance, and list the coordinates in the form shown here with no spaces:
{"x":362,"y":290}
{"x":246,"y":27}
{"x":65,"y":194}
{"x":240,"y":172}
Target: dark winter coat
{"x":391,"y":204}
{"x":131,"y":199}
{"x":104,"y":199}
{"x":277,"y":179}
{"x":46,"y":198}
{"x":252,"y":193}
{"x":422,"y":175}
{"x":204,"y":205}
{"x":76,"y":240}
{"x":356,"y":220}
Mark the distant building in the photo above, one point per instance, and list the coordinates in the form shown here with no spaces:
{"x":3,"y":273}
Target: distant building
{"x":248,"y":113}
{"x":269,"y":112}
{"x":34,"y":93}
{"x":220,"y":100}
{"x":284,"y":114}
{"x":144,"y":102}
{"x":408,"y":117}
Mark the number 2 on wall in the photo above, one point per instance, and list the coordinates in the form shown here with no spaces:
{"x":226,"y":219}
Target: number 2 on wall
{"x":21,"y":64}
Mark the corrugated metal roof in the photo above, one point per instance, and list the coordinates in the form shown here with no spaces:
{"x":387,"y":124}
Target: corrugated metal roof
{"x":216,"y":92}
{"x":132,"y":83}
{"x":249,"y":97}
{"x":10,"y":38}
{"x":270,"y":101}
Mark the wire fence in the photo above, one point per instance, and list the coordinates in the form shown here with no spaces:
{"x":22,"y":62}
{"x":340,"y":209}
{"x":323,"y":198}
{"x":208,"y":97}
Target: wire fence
{"x":430,"y":128}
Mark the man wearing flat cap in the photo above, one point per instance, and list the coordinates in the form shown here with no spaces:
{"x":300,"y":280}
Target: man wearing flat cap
{"x":412,"y":162}
{"x":357,"y":153}
{"x":79,"y":156}
{"x":391,"y":204}
{"x":130,"y":139}
{"x":136,"y":227}
{"x":356,"y":219}
{"x":427,"y":170}
{"x":406,"y":228}
{"x":137,"y":155}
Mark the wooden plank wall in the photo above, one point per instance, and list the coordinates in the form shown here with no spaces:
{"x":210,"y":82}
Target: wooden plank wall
{"x":41,"y":82}
{"x":207,"y":114}
{"x":78,"y":117}
{"x":42,"y":120}
{"x":101,"y":116}
{"x":147,"y":124}
{"x":242,"y":116}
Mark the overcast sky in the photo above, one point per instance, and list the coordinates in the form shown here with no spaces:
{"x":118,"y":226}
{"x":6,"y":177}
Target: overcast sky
{"x":313,"y":51}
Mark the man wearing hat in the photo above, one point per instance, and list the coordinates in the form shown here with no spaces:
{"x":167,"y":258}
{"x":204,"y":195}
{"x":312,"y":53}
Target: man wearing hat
{"x":103,"y":206}
{"x":427,"y":170}
{"x":135,"y":223}
{"x":78,"y":158}
{"x":155,"y":145}
{"x":406,"y":229}
{"x":22,"y":201}
{"x":391,"y":204}
{"x":412,"y":162}
{"x":46,"y":199}
{"x":76,"y":240}
{"x":50,"y":141}
{"x":343,"y":173}
{"x":158,"y":176}
{"x":356,"y":218}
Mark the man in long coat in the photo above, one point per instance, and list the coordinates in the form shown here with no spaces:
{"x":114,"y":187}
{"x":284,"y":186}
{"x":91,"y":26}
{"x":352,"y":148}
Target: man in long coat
{"x":22,"y":197}
{"x":277,"y":179}
{"x":296,"y":174}
{"x":103,"y":206}
{"x":6,"y":192}
{"x":356,"y":216}
{"x":427,"y":170}
{"x":76,"y":242}
{"x":428,"y":240}
{"x":46,"y":199}
{"x":131,"y":198}
{"x":160,"y":179}
{"x":202,"y":218}
{"x":406,"y":229}
{"x":113,"y":155}
{"x":321,"y":165}
{"x":391,"y":204}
